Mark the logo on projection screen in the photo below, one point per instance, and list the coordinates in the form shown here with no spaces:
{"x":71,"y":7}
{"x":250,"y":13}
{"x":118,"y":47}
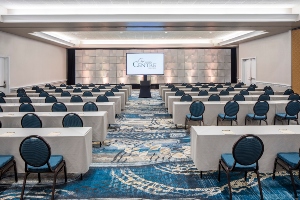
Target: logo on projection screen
{"x":141,"y":63}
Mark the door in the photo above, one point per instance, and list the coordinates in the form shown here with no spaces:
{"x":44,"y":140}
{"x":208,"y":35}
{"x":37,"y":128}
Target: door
{"x":249,"y":71}
{"x":4,"y":75}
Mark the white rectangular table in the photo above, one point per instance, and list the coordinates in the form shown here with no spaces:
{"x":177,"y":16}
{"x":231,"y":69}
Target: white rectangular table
{"x":209,"y":142}
{"x":96,"y":120}
{"x":74,"y":144}
{"x":109,"y":107}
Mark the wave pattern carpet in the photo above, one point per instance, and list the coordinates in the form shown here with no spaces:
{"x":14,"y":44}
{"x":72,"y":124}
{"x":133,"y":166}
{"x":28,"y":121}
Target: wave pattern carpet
{"x":146,"y":157}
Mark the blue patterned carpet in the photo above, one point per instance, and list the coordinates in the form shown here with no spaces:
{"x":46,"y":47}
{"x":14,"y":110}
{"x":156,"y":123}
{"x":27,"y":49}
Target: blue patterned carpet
{"x":146,"y":157}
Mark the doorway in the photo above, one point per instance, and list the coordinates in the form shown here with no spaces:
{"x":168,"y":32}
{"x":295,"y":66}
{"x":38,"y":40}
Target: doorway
{"x":4,"y":75}
{"x":249,"y":70}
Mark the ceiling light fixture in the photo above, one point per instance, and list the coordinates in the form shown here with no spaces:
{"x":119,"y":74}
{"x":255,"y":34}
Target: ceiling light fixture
{"x":51,"y":38}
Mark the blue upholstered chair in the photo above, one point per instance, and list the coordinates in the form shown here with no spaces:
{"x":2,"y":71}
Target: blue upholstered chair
{"x":167,"y":84}
{"x":174,"y":89}
{"x":1,"y":110}
{"x":203,"y":93}
{"x":58,"y":90}
{"x":244,"y":158}
{"x":195,"y":89}
{"x":179,"y":93}
{"x":90,"y":106}
{"x":77,"y":90}
{"x":109,"y":93}
{"x":204,"y":86}
{"x":25,"y":99}
{"x":78,"y":85}
{"x":250,"y":88}
{"x":50,"y":99}
{"x":84,"y":87}
{"x":238,"y":97}
{"x":264,"y":97}
{"x":6,"y":163}
{"x":102,"y":98}
{"x":21,"y":90}
{"x":101,"y":87}
{"x":39,"y":90}
{"x":230,"y":89}
{"x":294,"y":96}
{"x":183,"y":84}
{"x":116,"y":89}
{"x":214,"y":97}
{"x":260,"y":110}
{"x":35,"y":87}
{"x":107,"y":84}
{"x":186,"y":97}
{"x":253,"y":85}
{"x":2,"y":100}
{"x":213,"y":89}
{"x":198,"y":84}
{"x":269,"y":92}
{"x":118,"y":86}
{"x":43,"y":94}
{"x":170,"y":86}
{"x":26,"y":107}
{"x":76,"y":98}
{"x":230,"y":112}
{"x":72,"y":120}
{"x":122,"y":84}
{"x":92,"y":85}
{"x":31,"y":120}
{"x":291,"y":112}
{"x":65,"y":94}
{"x":52,"y":87}
{"x":289,"y":161}
{"x":63,"y":85}
{"x":211,"y":84}
{"x":224,"y":92}
{"x":87,"y":94}
{"x":244,"y":92}
{"x":95,"y":89}
{"x":69,"y":87}
{"x":59,"y":107}
{"x":238,"y":86}
{"x":47,"y":85}
{"x":21,"y":94}
{"x":188,"y":86}
{"x":227,"y":83}
{"x":36,"y":153}
{"x":219,"y":86}
{"x":2,"y":94}
{"x":197,"y":109}
{"x":267,"y":88}
{"x":288,"y":92}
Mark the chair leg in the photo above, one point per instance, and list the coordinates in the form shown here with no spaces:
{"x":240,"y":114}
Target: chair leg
{"x":297,"y":121}
{"x":293,"y":183}
{"x":230,"y":122}
{"x":65,"y":172}
{"x":229,"y":186}
{"x":245,"y":121}
{"x":219,"y":174}
{"x":217,"y":121}
{"x":176,"y":126}
{"x":259,"y":185}
{"x":288,"y":122}
{"x":274,"y":120}
{"x":15,"y":171}
{"x":24,"y":183}
{"x":266,"y":122}
{"x":54,"y":183}
{"x":274,"y":169}
{"x":39,"y":177}
{"x":245,"y":178}
{"x":201,"y":174}
{"x":185,"y":123}
{"x":259,"y":122}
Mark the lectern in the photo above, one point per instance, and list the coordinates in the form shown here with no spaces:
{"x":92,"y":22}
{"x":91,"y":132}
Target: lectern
{"x":145,"y":88}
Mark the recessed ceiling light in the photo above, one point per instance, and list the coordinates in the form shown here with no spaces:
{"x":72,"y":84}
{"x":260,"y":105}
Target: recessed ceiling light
{"x":121,"y":32}
{"x":166,"y":32}
{"x":210,"y":32}
{"x":200,"y":37}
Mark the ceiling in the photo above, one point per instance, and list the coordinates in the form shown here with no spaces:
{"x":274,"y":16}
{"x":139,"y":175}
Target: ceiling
{"x":147,"y":23}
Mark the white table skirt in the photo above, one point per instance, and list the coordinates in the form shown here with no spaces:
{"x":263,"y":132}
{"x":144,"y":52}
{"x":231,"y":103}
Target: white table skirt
{"x":212,"y":109}
{"x":96,"y":120}
{"x":116,"y":99}
{"x":109,"y":107}
{"x":74,"y":144}
{"x":209,"y":142}
{"x":172,"y":99}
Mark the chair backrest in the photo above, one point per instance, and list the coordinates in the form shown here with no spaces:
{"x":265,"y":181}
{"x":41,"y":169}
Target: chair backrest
{"x":188,"y":86}
{"x":253,"y":85}
{"x":106,"y":84}
{"x":78,"y":85}
{"x":59,"y":107}
{"x":269,"y":92}
{"x":43,"y":94}
{"x":65,"y":94}
{"x":69,"y":87}
{"x":76,"y":98}
{"x":91,"y":85}
{"x":50,"y":99}
{"x":47,"y":85}
{"x":62,"y":85}
{"x":288,"y":92}
{"x":183,"y":84}
{"x":114,"y":89}
{"x":231,"y":108}
{"x":39,"y":90}
{"x":90,"y":106}
{"x":237,"y":86}
{"x":239,"y":97}
{"x":118,"y":86}
{"x":52,"y":87}
{"x":122,"y":84}
{"x":213,"y":89}
{"x":174,"y":89}
{"x":170,"y":86}
{"x":58,"y":90}
{"x":186,"y":97}
{"x":242,"y":83}
{"x":102,"y":98}
{"x":204,"y":86}
{"x":101,"y":87}
{"x":1,"y":110}
{"x":203,"y":93}
{"x":264,"y":97}
{"x":244,"y":92}
{"x":35,"y":87}
{"x":84,"y":87}
{"x":179,"y":93}
{"x":292,"y":108}
{"x":26,"y":107}
{"x":77,"y":90}
{"x":25,"y":99}
{"x":87,"y":94}
{"x":261,"y":108}
{"x":230,"y":89}
{"x":195,"y":89}
{"x":294,"y":96}
{"x":214,"y":97}
{"x":224,"y":92}
{"x":21,"y":90}
{"x":247,"y":150}
{"x":31,"y":120}
{"x":198,"y":84}
{"x":267,"y":88}
{"x":2,"y":94}
{"x":21,"y":94}
{"x":72,"y":120}
{"x":109,"y":93}
{"x":250,"y":88}
{"x":227,"y":83}
{"x":211,"y":84}
{"x":219,"y":86}
{"x":35,"y":151}
{"x":2,"y":100}
{"x":95,"y":89}
{"x":197,"y":108}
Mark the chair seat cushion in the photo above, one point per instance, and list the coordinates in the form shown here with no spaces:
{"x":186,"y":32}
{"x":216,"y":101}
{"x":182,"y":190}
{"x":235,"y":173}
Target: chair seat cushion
{"x":282,"y":115}
{"x":256,"y":117}
{"x":229,"y":161}
{"x":291,"y":158}
{"x":222,"y":115}
{"x":191,"y":117}
{"x":53,"y":161}
{"x":4,"y":159}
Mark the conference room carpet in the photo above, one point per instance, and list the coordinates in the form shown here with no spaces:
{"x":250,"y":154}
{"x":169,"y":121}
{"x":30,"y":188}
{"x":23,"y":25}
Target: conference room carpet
{"x":146,"y":157}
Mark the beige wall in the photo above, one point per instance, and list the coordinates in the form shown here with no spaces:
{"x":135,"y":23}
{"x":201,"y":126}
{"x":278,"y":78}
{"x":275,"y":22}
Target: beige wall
{"x":32,"y":62}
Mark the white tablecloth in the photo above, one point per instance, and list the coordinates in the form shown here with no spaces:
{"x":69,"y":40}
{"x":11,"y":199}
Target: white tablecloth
{"x":96,"y":120}
{"x":74,"y":144}
{"x":109,"y":107}
{"x":209,"y":142}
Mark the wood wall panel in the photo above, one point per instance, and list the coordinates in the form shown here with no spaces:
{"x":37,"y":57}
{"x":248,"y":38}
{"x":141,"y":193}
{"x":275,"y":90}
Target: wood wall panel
{"x":296,"y":61}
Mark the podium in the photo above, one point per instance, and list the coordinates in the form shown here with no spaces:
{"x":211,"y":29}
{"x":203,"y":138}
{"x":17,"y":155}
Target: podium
{"x":145,"y":89}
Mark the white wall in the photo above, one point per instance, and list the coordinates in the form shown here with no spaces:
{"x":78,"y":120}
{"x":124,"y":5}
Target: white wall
{"x":273,"y":59}
{"x":32,"y":62}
